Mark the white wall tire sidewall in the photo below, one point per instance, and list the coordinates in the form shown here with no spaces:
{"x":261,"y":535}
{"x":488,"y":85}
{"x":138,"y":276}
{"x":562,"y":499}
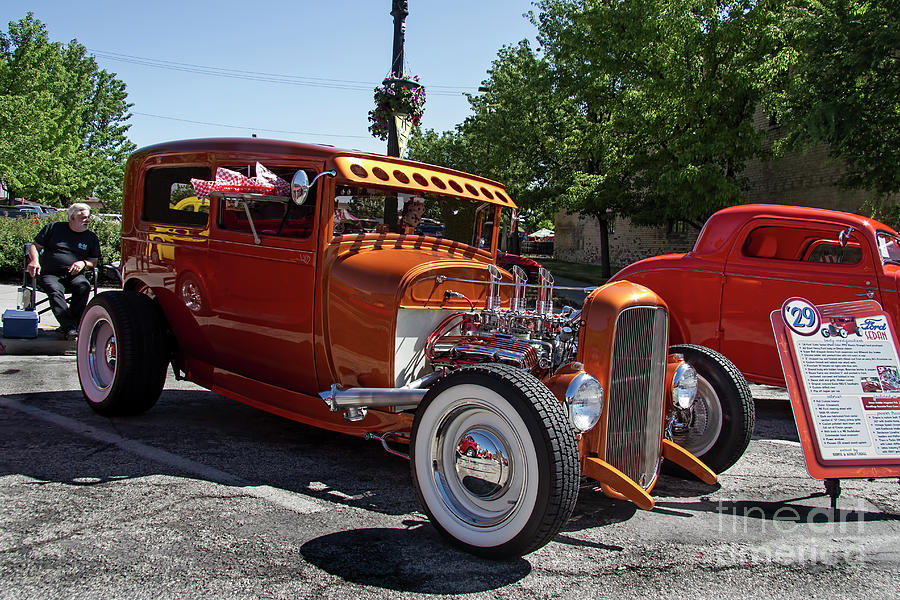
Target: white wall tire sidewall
{"x":93,"y":393}
{"x":523,"y":462}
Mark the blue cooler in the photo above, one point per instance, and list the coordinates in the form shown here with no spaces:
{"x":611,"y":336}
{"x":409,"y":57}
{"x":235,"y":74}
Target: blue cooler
{"x":20,"y":323}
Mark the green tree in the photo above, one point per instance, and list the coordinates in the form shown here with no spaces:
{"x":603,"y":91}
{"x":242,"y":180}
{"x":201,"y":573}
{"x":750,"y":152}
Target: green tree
{"x":642,"y":109}
{"x":669,"y":88}
{"x":509,"y":136}
{"x":62,"y":119}
{"x":839,"y":67}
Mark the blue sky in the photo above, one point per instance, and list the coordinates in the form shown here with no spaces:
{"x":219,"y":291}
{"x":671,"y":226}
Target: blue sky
{"x":342,"y":46}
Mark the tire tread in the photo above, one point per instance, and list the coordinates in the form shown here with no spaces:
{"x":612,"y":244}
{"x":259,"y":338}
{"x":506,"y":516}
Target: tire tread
{"x":556,"y":433}
{"x":140,"y":354}
{"x":723,"y":455}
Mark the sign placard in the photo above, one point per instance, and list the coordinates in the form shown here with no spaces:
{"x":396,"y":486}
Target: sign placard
{"x":842,"y":370}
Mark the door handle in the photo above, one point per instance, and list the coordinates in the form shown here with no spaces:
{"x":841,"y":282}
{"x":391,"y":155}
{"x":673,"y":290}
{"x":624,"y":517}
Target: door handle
{"x":869,"y":294}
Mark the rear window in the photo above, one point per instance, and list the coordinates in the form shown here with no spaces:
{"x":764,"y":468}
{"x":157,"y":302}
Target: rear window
{"x":169,"y":196}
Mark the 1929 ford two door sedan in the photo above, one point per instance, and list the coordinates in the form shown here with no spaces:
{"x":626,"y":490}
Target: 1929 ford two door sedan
{"x":283,"y":286}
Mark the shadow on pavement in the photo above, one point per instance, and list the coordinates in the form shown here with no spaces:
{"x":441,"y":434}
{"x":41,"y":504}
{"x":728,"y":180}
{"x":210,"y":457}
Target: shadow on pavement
{"x":230,"y":444}
{"x":417,"y":559}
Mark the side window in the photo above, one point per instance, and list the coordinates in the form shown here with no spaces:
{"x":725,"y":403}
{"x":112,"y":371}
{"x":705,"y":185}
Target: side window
{"x":889,"y":248}
{"x":813,"y":244}
{"x":829,"y":251}
{"x":271,"y":217}
{"x":169,"y":197}
{"x":762,"y":243}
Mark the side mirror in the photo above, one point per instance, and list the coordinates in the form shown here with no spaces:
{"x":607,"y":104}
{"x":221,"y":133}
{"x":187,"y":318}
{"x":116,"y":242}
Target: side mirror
{"x":300,"y":185}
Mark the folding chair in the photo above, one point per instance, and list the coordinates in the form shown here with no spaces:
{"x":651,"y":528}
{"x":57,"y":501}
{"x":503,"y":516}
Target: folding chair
{"x":27,"y":297}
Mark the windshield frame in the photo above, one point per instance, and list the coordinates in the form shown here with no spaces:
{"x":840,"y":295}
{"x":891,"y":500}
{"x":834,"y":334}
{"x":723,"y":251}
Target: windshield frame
{"x":485,"y":214}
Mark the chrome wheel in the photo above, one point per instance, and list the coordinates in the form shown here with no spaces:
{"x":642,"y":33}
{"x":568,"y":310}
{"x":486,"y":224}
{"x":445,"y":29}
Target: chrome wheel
{"x":717,"y":430}
{"x":190,"y":293}
{"x":699,"y":428}
{"x":484,"y":487}
{"x":102,"y":353}
{"x":97,"y":353}
{"x":121,"y":354}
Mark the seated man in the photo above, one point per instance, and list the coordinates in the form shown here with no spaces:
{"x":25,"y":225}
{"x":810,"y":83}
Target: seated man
{"x":68,"y":249}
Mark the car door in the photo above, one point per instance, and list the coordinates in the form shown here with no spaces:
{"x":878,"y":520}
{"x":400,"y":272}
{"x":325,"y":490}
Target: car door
{"x":778,"y":259}
{"x":262,"y":297}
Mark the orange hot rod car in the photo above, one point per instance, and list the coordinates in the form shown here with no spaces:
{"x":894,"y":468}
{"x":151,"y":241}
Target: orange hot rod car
{"x":301,"y":293}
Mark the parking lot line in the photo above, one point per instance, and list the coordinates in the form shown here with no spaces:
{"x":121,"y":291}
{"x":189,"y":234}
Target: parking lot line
{"x":289,"y":500}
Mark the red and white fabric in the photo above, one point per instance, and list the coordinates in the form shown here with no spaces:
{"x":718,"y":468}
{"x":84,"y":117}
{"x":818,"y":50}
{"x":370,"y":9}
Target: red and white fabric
{"x":282,"y":187}
{"x":265,"y":182}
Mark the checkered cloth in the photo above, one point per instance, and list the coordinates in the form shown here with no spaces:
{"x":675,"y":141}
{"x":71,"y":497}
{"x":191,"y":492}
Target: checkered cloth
{"x":227,"y":180}
{"x":203,"y":188}
{"x":282,"y":187}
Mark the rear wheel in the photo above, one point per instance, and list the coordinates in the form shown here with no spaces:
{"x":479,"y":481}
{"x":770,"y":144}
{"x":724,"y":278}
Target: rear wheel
{"x":717,"y":429}
{"x":121,"y":353}
{"x":520,"y":488}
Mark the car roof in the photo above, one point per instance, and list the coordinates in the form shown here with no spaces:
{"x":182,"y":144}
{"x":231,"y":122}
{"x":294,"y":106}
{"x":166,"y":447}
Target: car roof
{"x":354,"y":166}
{"x":721,"y":227}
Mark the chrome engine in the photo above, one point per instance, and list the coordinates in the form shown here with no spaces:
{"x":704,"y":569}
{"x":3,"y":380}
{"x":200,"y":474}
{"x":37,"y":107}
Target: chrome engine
{"x":537,"y":340}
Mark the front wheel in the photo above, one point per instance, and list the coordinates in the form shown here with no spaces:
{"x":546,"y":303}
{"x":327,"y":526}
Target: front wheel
{"x":121,"y":353}
{"x":717,"y":429}
{"x":520,"y":488}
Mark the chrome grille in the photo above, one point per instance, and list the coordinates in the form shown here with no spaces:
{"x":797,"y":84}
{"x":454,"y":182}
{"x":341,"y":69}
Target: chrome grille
{"x":636,"y":394}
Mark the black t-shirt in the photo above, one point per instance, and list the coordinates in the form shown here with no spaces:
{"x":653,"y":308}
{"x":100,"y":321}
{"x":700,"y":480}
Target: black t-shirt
{"x":62,"y":247}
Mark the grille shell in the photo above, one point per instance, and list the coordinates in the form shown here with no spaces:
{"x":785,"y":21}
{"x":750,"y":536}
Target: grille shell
{"x":634,"y":418}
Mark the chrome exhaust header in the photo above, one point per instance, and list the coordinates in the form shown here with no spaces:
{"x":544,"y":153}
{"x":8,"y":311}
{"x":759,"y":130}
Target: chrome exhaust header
{"x":354,"y":401}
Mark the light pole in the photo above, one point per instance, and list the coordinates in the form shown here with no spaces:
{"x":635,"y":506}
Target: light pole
{"x":399,"y":10}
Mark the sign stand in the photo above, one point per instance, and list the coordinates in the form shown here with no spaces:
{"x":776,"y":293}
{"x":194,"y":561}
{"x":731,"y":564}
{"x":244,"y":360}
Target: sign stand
{"x":833,"y":489}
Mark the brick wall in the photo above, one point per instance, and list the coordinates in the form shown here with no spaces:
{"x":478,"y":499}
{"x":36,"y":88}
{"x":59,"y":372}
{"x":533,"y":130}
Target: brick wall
{"x":800,"y":178}
{"x":578,"y":240}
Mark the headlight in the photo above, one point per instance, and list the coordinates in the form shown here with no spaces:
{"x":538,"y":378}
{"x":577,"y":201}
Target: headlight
{"x":584,"y":399}
{"x":684,"y":386}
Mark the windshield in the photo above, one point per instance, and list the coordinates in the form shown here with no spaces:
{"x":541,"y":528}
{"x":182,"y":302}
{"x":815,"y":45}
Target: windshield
{"x":889,"y":247}
{"x":360,"y":210}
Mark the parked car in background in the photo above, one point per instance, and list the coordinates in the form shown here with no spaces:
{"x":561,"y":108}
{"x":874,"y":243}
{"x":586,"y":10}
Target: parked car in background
{"x":399,"y":337}
{"x":23,"y":211}
{"x":747,"y":261}
{"x":508,"y":260}
{"x":430,"y":227}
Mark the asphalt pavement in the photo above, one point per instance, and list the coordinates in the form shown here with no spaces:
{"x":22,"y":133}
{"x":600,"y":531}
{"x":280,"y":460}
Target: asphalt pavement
{"x":204,"y":497}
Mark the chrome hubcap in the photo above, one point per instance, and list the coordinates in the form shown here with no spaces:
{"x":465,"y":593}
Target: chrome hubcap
{"x":698,"y":431}
{"x":483,"y":467}
{"x":102,"y":353}
{"x":477,"y":464}
{"x":191,"y":296}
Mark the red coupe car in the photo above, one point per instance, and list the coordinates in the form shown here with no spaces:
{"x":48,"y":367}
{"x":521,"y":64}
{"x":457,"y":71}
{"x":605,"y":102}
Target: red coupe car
{"x":749,"y":259}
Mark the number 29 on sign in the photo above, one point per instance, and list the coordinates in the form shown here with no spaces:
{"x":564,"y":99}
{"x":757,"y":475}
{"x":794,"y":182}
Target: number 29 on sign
{"x":801,"y":316}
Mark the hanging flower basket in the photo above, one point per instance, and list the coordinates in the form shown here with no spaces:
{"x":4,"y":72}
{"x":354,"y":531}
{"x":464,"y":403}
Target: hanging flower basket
{"x":396,"y":95}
